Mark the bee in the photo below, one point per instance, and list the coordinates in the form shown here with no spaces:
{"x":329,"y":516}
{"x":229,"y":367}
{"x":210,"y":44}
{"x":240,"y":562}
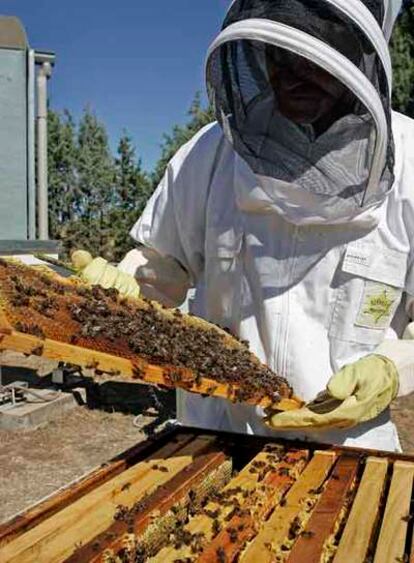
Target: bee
{"x":259,"y":464}
{"x":213,"y":514}
{"x":20,"y":300}
{"x":121,"y":512}
{"x":137,"y":372}
{"x":316,"y":491}
{"x":174,"y":376}
{"x":33,"y":329}
{"x":295,"y":528}
{"x":38,"y":350}
{"x":233,"y":534}
{"x":307,"y":534}
{"x":216,"y":528}
{"x":74,"y":339}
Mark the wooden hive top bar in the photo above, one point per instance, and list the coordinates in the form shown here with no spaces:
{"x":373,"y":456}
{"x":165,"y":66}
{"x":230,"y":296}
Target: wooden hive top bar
{"x":63,"y":319}
{"x":181,"y":501}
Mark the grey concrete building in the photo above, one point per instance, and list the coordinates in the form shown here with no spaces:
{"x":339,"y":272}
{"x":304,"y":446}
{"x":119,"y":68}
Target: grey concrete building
{"x":23,"y":117}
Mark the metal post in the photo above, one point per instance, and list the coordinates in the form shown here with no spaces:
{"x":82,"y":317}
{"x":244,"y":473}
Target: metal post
{"x":31,"y":167}
{"x":43,"y":74}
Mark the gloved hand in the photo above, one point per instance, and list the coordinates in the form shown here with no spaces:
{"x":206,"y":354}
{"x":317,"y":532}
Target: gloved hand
{"x":366,"y":387}
{"x":99,"y":272}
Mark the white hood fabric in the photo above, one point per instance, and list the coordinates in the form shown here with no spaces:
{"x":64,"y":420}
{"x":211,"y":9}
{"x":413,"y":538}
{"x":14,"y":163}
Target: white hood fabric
{"x":338,"y":174}
{"x":392,"y":9}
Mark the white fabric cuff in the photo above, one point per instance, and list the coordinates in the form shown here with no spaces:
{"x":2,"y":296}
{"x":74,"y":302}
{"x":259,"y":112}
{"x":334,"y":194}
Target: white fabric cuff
{"x":159,"y":277}
{"x":401,"y":353}
{"x":132,"y":261}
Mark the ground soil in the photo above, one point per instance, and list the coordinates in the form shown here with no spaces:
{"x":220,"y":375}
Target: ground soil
{"x":403,"y":416}
{"x":35,"y":463}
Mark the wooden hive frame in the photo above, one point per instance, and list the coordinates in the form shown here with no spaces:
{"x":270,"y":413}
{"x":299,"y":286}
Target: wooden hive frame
{"x":289,"y":502}
{"x":136,"y":369}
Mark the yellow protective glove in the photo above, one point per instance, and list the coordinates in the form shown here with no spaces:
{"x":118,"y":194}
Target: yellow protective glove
{"x":366,"y":388}
{"x":99,"y":272}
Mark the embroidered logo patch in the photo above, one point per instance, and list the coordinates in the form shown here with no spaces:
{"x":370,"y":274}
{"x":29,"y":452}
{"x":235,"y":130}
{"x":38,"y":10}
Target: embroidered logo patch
{"x":378,"y":305}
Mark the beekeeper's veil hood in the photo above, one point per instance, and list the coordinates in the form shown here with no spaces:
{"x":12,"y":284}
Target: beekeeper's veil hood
{"x":326,"y":161}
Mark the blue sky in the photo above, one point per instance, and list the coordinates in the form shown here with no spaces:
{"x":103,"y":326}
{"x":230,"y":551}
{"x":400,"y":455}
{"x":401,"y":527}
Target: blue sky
{"x":137,"y":63}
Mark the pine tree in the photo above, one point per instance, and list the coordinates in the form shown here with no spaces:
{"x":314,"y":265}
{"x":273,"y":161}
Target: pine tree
{"x":96,"y":177}
{"x":62,"y":157}
{"x":131,"y":194}
{"x":402,"y":50}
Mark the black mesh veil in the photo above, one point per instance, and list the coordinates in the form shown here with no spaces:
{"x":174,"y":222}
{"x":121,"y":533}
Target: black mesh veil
{"x":289,"y":118}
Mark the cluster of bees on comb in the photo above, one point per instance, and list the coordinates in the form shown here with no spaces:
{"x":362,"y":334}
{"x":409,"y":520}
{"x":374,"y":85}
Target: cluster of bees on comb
{"x":229,"y":509}
{"x":40,"y":303}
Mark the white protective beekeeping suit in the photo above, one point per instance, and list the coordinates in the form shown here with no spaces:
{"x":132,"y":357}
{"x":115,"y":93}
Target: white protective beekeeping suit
{"x":300,"y":243}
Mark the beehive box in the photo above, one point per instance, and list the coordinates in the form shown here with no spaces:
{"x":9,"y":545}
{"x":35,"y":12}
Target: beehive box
{"x":191,"y":495}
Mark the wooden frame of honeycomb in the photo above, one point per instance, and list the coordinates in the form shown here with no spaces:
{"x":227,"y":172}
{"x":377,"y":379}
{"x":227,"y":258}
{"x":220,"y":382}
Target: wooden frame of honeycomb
{"x":44,"y":314}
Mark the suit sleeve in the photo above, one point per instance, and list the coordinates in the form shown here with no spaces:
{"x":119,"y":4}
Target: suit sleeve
{"x":170,"y":233}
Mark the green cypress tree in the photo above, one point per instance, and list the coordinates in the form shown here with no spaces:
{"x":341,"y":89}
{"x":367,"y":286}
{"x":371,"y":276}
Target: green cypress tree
{"x":132,"y":190}
{"x":96,"y":177}
{"x":62,"y":157}
{"x":402,"y":51}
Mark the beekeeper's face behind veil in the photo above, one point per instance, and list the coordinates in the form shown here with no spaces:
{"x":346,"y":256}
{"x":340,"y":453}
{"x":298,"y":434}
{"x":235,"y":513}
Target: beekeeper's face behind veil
{"x":302,"y":90}
{"x":305,"y":93}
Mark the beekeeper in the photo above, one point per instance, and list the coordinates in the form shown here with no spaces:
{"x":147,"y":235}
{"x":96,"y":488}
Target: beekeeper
{"x":293,"y":217}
